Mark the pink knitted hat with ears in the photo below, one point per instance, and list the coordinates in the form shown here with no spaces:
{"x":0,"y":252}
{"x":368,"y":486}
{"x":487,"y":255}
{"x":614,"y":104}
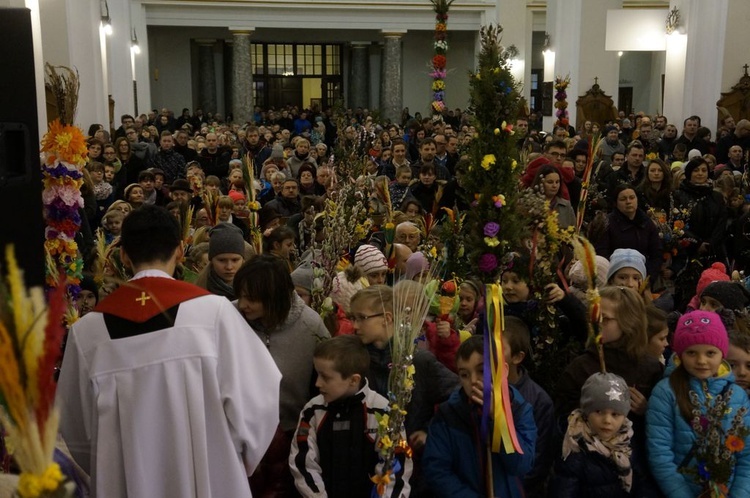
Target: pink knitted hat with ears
{"x":700,"y":327}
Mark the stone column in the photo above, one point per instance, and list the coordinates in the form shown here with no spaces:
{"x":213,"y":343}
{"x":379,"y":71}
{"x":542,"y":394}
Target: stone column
{"x":359,"y":83}
{"x":242,"y":76}
{"x":206,"y":76}
{"x":391,"y":85}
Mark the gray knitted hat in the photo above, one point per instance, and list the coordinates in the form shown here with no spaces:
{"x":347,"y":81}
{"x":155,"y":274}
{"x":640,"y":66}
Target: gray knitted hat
{"x":225,"y":238}
{"x":605,"y":390}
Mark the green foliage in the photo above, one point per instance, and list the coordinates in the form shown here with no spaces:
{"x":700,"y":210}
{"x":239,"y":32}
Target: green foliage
{"x":493,"y":177}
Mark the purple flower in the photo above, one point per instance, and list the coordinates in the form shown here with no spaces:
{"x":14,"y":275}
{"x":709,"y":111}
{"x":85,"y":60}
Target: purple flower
{"x":487,"y":263}
{"x":704,"y":422}
{"x":491,"y":229}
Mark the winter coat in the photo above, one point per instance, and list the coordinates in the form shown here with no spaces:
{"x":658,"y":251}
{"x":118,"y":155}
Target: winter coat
{"x":708,"y":215}
{"x":670,"y":437}
{"x":334,"y":449}
{"x":291,"y":345}
{"x":589,"y":474}
{"x":640,"y":234}
{"x":566,"y":217}
{"x":455,"y":453}
{"x":544,"y":418}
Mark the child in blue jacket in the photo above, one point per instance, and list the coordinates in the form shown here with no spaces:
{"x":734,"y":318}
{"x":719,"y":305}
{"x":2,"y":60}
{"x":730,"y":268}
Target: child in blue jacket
{"x":684,"y":424}
{"x":455,"y":455}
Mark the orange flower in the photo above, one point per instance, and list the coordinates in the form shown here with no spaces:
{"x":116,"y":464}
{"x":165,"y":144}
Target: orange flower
{"x":734,"y":444}
{"x":66,"y":141}
{"x":679,"y":224}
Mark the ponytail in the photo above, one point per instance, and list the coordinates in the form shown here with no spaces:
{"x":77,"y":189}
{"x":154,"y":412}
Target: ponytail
{"x":679,"y":381}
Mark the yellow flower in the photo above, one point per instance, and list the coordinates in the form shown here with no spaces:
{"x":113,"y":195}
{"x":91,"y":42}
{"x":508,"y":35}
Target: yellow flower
{"x":384,"y":420}
{"x":488,"y":161}
{"x":410,"y":370}
{"x":497,"y":130}
{"x":385,"y":442}
{"x":491,"y":242}
{"x":514,"y":164}
{"x":496,"y":70}
{"x":433,"y":252}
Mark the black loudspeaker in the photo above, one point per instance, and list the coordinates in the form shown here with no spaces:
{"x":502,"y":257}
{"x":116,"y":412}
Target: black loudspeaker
{"x":21,"y":220}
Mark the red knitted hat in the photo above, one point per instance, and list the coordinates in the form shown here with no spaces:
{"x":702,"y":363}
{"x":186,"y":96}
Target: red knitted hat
{"x":717,"y":272}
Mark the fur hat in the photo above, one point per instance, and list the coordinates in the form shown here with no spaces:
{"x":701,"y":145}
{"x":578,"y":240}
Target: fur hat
{"x":225,"y":238}
{"x":369,"y":259}
{"x":700,"y":327}
{"x":181,"y":185}
{"x":626,"y":258}
{"x":717,"y":272}
{"x":604,"y":391}
{"x":732,"y":296}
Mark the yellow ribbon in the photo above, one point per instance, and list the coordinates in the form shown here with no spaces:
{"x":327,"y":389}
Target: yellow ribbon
{"x":503,"y":430}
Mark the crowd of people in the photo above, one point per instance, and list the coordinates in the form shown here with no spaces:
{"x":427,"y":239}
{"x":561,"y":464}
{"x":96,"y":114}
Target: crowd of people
{"x":666,"y":211}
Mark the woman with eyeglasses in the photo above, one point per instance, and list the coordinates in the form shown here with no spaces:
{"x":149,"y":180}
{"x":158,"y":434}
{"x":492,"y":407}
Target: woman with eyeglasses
{"x":290,"y":330}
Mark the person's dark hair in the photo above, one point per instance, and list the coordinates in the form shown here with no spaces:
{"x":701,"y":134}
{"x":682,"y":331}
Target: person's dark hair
{"x":702,"y":132}
{"x":126,"y":116}
{"x":620,"y":188}
{"x":94,"y":166}
{"x":679,"y":381}
{"x":397,"y":141}
{"x":427,"y":169}
{"x":656,"y":320}
{"x":94,"y":128}
{"x":474,"y":344}
{"x":309,"y":201}
{"x":545,"y":170}
{"x":427,"y":140}
{"x":408,"y":202}
{"x":266,"y":278}
{"x":150,"y":234}
{"x":555,"y":144}
{"x":518,"y":335}
{"x":635,"y":144}
{"x":277,"y":235}
{"x":348,"y":354}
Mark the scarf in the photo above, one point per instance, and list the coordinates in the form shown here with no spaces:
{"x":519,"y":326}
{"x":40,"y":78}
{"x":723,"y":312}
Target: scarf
{"x":102,"y":191}
{"x":579,"y":436}
{"x":215,"y":285}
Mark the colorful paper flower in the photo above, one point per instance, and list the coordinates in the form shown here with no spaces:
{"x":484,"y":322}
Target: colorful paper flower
{"x":487,"y":263}
{"x":66,"y":142}
{"x":438,"y":85}
{"x":491,"y":229}
{"x":439,"y":62}
{"x":734,"y":444}
{"x":488,"y":161}
{"x":491,"y":241}
{"x":499,"y":200}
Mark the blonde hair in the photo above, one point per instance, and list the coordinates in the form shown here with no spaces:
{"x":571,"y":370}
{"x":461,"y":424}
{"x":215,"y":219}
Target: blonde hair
{"x":630,"y":313}
{"x":373,"y":296}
